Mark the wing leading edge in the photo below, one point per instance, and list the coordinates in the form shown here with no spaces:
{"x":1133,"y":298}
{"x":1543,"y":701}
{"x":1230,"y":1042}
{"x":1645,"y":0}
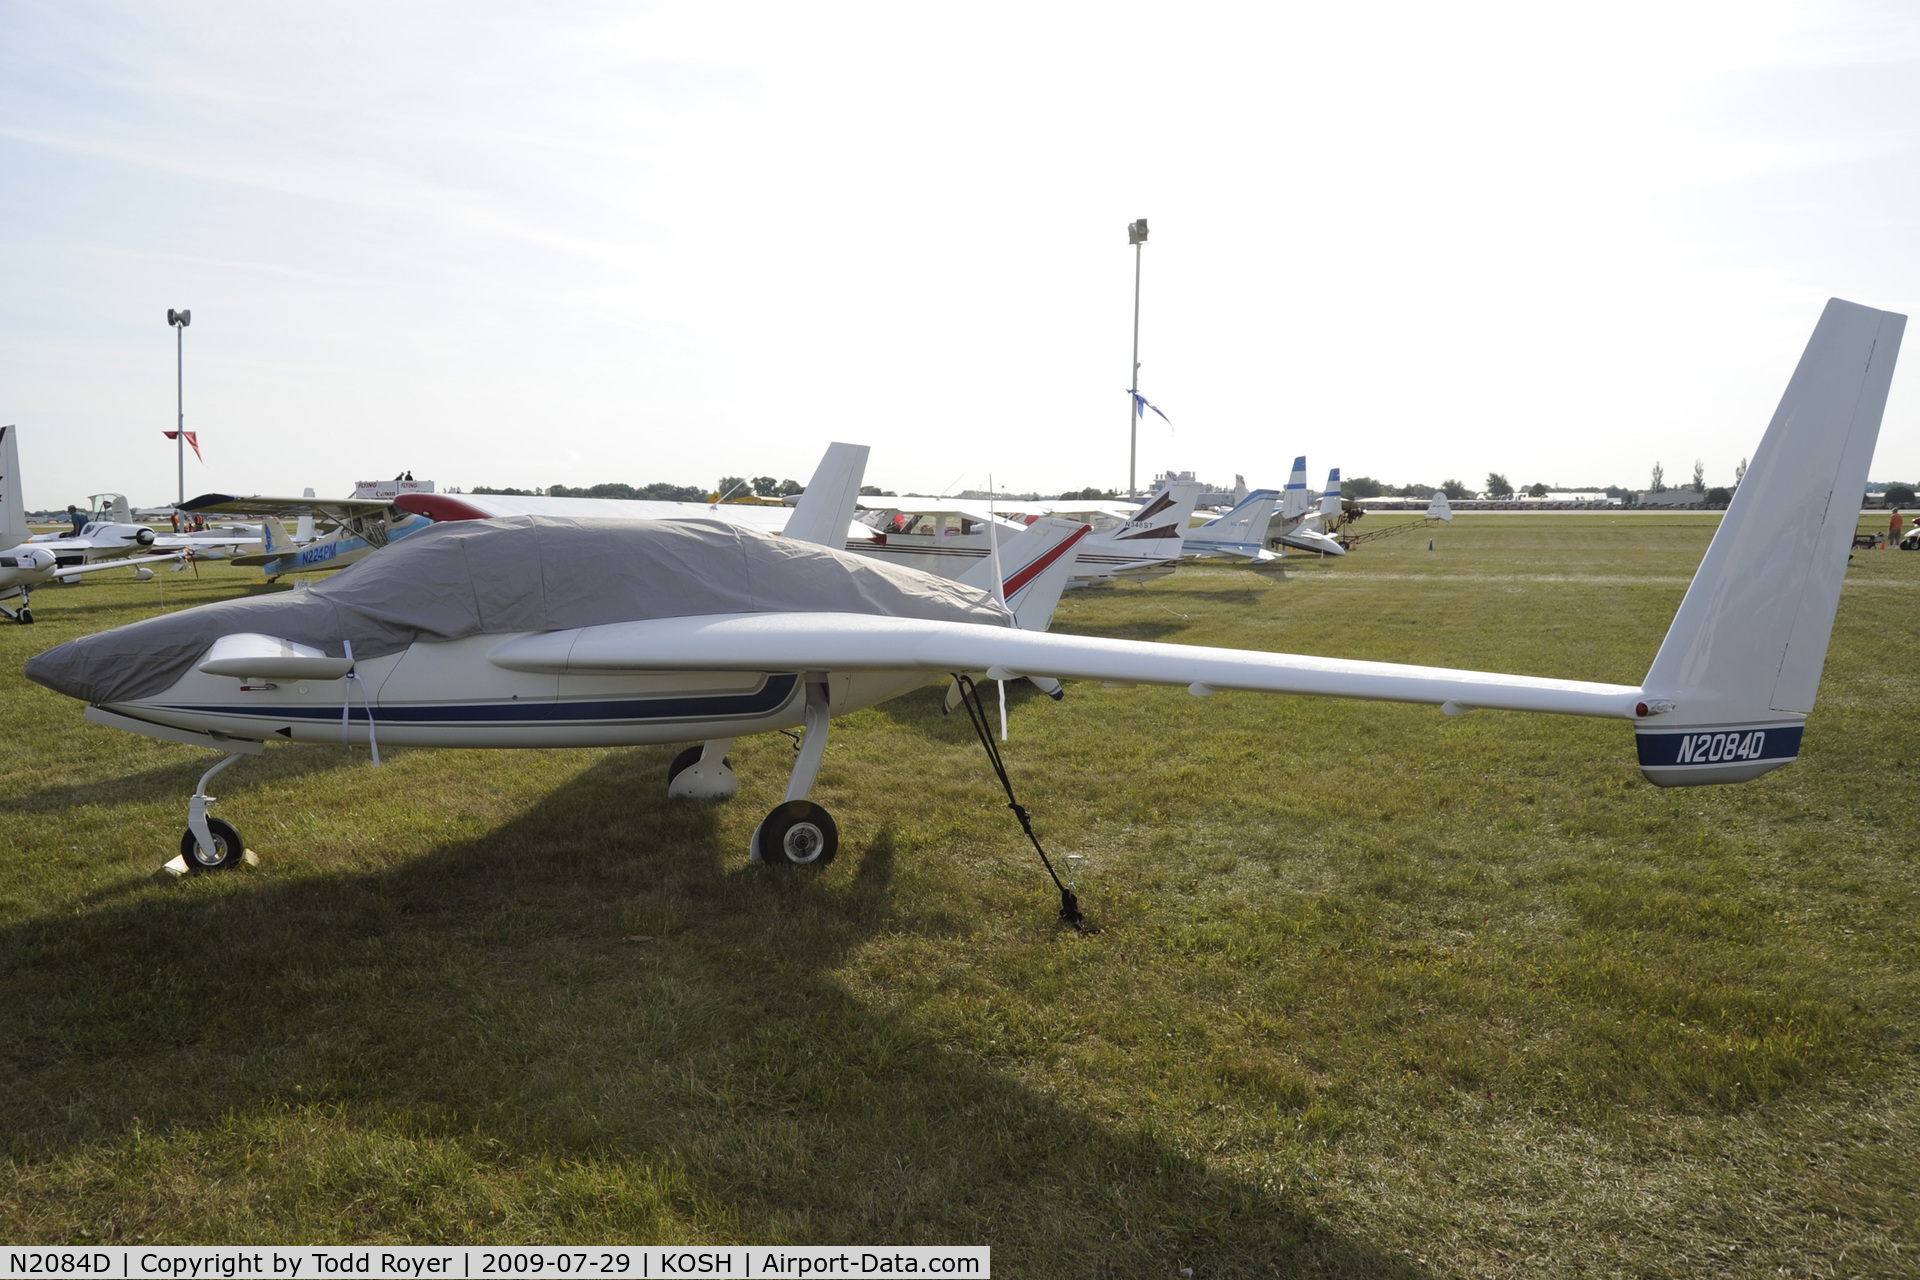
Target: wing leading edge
{"x":861,"y":642}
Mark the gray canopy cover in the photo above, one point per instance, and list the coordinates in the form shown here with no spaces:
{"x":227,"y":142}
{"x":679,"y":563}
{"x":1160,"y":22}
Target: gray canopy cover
{"x":516,"y":573}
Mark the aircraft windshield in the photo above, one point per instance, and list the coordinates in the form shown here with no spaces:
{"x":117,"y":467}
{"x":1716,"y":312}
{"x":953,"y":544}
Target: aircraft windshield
{"x":912,"y":524}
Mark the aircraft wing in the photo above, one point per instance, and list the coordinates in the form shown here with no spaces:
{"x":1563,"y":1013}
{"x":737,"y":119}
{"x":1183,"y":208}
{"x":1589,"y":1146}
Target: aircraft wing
{"x":863,"y":642}
{"x":971,"y":508}
{"x":128,"y":563}
{"x":339,"y":509}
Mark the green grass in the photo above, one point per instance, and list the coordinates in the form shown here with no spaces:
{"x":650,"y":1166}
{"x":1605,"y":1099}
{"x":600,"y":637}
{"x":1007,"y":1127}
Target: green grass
{"x":1374,"y":992}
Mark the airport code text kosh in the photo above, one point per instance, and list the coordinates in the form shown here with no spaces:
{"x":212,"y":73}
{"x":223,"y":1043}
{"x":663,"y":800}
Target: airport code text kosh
{"x":422,"y":1262}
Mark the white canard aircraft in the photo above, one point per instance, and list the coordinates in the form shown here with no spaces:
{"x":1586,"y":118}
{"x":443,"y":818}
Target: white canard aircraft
{"x":537,"y":632}
{"x":28,"y":561}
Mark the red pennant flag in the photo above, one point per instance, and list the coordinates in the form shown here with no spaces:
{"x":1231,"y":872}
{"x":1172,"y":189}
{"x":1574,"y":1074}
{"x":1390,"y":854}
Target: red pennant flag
{"x":193,"y":441}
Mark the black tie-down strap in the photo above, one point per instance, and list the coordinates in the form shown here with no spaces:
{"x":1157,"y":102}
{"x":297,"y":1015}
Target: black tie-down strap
{"x":970,"y":698}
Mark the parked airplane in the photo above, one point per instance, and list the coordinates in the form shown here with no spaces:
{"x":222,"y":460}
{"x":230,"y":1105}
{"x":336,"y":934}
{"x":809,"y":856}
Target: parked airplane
{"x":1239,"y":534}
{"x":1136,"y":545}
{"x":28,"y":562}
{"x":541,"y":632}
{"x":356,"y":527}
{"x":835,"y":483}
{"x":1301,"y":522}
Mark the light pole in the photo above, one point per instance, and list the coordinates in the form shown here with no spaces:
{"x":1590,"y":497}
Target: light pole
{"x":1136,"y":236}
{"x":180,"y":320}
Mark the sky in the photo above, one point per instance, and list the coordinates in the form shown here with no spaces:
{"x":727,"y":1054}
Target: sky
{"x":540,"y":243}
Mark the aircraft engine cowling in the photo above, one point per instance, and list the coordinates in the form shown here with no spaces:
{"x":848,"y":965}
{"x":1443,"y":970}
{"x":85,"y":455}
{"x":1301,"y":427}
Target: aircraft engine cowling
{"x":144,"y":537}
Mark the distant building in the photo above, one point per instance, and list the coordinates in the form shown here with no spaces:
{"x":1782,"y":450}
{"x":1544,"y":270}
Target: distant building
{"x":390,"y":488}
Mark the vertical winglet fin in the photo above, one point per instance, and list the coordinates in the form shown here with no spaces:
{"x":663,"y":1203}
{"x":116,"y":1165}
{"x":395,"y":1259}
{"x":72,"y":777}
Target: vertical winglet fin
{"x":13,"y":512}
{"x":1748,"y":644}
{"x":826,"y":508}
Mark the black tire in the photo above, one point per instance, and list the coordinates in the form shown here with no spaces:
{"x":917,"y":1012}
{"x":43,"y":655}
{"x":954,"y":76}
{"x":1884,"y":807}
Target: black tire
{"x":798,"y":834}
{"x":226,"y":842}
{"x":25,"y":616}
{"x":689,"y":758}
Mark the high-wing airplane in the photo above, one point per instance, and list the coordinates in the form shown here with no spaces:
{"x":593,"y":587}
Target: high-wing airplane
{"x":357,"y":527}
{"x":537,"y":632}
{"x":28,"y":561}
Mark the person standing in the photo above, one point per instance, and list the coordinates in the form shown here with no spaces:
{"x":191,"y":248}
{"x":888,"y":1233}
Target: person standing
{"x":75,"y":519}
{"x":1893,"y":528}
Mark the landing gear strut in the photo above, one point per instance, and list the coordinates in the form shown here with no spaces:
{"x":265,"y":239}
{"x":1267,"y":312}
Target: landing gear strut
{"x":210,"y":844}
{"x":23,"y":615}
{"x":799,"y":833}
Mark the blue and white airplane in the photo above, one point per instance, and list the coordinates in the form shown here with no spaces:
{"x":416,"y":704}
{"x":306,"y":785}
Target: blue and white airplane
{"x":1240,"y":534}
{"x":357,"y":528}
{"x":536,"y":632}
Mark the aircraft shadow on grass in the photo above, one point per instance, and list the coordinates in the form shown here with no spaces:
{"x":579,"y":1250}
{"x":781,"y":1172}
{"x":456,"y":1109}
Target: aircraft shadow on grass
{"x":171,"y":781}
{"x":604,"y":979}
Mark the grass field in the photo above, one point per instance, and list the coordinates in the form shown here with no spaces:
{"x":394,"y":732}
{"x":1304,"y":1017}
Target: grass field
{"x":1374,"y":991}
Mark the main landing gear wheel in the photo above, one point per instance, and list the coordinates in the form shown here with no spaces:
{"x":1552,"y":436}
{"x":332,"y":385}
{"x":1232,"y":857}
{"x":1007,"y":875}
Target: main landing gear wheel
{"x":689,"y":758}
{"x":24,"y":617}
{"x":799,"y":833}
{"x":228,"y":848}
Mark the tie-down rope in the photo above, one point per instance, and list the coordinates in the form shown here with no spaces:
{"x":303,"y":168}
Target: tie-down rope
{"x":970,"y":698}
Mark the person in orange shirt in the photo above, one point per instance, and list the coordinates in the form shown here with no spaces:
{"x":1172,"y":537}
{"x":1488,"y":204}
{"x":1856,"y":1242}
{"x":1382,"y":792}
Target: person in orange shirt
{"x":1893,"y":529}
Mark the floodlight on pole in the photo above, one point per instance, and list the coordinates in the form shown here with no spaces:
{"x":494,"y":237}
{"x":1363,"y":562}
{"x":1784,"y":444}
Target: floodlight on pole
{"x":179,"y":320}
{"x":1136,"y":236}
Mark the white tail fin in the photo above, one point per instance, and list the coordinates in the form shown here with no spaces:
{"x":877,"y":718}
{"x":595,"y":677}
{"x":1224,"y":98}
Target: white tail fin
{"x":1294,"y":499}
{"x":303,"y":528}
{"x":13,"y":511}
{"x":1330,"y":497}
{"x":273,"y":537}
{"x":1738,"y":671}
{"x":1240,"y":532}
{"x":1036,"y":562}
{"x":826,"y":508}
{"x":1439,"y":508}
{"x":1240,"y":490}
{"x":1149,"y":544}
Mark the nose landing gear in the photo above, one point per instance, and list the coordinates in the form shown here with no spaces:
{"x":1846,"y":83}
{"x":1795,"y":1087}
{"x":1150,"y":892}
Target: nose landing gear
{"x":210,"y":844}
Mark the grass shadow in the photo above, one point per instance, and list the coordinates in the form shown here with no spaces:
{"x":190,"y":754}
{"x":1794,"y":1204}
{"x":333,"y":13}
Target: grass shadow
{"x":599,"y":986}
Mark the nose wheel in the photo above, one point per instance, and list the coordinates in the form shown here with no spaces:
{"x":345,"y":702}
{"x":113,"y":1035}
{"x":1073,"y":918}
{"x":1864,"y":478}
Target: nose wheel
{"x":797,"y":834}
{"x":210,"y":844}
{"x":227,"y":849}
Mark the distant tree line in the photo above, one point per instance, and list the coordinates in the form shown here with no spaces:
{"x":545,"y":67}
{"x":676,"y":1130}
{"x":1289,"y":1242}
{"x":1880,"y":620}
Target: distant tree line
{"x":1498,"y":486}
{"x":660,"y":491}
